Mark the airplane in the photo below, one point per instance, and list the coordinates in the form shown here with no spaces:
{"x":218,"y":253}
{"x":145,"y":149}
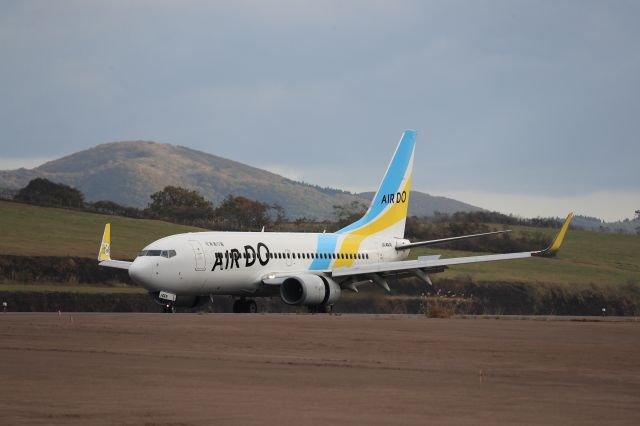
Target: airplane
{"x":308,"y":269}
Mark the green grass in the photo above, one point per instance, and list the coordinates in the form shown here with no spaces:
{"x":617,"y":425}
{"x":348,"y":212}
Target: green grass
{"x":65,"y":288}
{"x":585,"y":257}
{"x":41,"y":231}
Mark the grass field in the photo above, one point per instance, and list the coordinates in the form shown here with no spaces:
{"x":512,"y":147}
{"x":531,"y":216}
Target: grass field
{"x":41,"y":231}
{"x":57,"y":287}
{"x":586,"y":257}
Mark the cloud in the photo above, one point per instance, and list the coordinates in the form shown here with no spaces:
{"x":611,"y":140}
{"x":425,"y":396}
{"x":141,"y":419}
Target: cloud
{"x":537,"y":97}
{"x":610,"y":206}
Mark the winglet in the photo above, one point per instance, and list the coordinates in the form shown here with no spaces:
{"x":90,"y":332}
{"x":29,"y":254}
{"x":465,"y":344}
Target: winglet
{"x":105,"y":246}
{"x":557,"y":241}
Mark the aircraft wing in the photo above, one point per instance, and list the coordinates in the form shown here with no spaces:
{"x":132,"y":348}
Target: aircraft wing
{"x":447,"y":240}
{"x":431,"y":264}
{"x":119,"y":264}
{"x":425,"y":262}
{"x":104,"y":255}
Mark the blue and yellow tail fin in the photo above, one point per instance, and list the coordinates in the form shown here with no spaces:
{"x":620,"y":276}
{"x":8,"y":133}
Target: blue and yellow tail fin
{"x":387,"y":214}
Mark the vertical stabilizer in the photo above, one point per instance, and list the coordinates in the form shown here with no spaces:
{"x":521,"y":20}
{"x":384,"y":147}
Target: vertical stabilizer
{"x":387,"y":214}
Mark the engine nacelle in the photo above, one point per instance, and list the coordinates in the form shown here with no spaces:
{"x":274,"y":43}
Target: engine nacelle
{"x":309,"y":289}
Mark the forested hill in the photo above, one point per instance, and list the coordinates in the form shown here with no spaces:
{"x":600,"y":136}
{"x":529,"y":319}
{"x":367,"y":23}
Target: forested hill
{"x":128,"y":172}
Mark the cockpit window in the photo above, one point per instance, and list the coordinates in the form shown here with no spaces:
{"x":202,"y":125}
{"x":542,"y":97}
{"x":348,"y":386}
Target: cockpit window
{"x":163,"y":253}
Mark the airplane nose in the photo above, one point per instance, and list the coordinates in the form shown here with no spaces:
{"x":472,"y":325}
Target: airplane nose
{"x":140,"y":272}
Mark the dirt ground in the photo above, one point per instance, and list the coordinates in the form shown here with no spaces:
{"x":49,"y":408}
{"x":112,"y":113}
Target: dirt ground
{"x":315,"y":369}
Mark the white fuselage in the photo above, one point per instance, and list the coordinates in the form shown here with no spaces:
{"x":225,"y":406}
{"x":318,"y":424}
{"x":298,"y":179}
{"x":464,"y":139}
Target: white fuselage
{"x":235,"y":263}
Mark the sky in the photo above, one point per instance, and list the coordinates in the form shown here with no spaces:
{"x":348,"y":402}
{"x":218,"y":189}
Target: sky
{"x":526,"y":107}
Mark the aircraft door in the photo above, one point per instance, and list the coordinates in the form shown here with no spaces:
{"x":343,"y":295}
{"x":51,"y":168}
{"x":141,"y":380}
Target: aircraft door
{"x":289,"y":256}
{"x":199,"y":255}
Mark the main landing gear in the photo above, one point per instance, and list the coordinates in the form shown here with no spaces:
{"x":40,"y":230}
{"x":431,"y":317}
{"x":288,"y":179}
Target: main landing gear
{"x":247,"y":306}
{"x":169,"y":308}
{"x":320,"y":309}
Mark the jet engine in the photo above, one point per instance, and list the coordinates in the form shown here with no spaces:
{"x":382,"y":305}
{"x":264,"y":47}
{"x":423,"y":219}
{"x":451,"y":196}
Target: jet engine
{"x":309,"y":289}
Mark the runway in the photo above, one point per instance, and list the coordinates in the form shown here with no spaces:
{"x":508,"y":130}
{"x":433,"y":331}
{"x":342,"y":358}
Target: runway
{"x":315,"y":369}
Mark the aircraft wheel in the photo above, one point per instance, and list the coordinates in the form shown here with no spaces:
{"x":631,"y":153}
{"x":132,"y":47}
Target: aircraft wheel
{"x":237,"y":306}
{"x":251,"y":306}
{"x":317,"y":309}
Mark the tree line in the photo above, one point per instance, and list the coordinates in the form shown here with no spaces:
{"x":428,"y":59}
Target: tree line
{"x":171,"y":204}
{"x":188,"y":207}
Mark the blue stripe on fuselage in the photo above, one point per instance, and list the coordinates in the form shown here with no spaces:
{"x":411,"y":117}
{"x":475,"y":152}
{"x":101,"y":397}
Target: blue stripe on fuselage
{"x":326,"y":244}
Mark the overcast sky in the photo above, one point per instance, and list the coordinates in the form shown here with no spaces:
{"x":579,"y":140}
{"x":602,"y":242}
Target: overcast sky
{"x":529,"y":107}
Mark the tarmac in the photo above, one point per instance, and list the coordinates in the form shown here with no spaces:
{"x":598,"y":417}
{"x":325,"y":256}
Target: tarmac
{"x":188,"y":369}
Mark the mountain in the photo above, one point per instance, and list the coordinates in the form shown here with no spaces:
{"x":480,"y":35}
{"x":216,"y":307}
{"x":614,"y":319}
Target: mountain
{"x":128,"y":172}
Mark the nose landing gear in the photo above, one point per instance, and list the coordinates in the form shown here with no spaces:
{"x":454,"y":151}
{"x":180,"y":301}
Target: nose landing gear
{"x":168,"y":302}
{"x":169,"y":308}
{"x":243,"y":305}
